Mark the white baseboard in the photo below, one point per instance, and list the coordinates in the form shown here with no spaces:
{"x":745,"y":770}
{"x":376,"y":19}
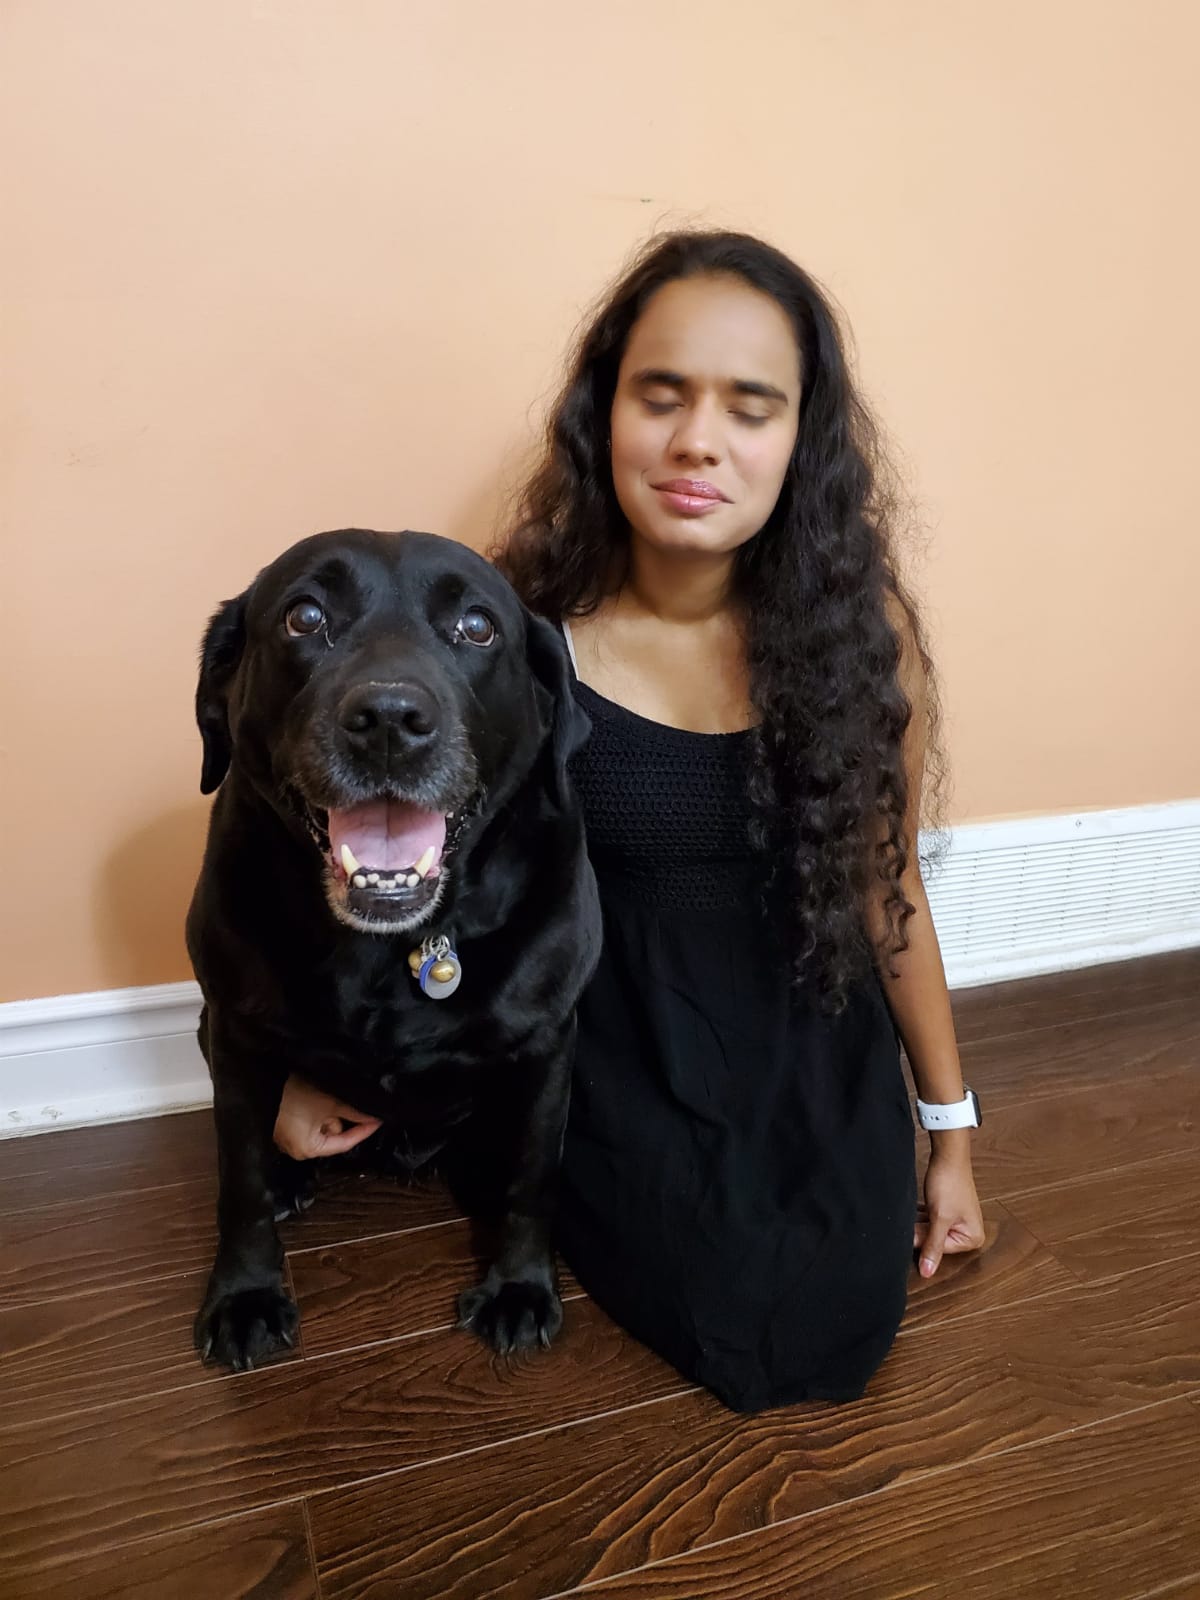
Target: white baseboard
{"x":1011,"y":899}
{"x":106,"y":1057}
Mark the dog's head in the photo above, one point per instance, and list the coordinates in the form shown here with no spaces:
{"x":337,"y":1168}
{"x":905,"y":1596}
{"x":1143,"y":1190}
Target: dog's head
{"x":380,"y":691}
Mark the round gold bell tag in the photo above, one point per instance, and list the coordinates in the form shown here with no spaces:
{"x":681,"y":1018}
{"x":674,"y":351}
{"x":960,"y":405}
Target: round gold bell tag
{"x":436,"y":968}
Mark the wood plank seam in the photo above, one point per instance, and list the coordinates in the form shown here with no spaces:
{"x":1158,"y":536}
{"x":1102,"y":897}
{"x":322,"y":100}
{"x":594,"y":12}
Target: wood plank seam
{"x":214,"y":1376}
{"x":150,"y":1190}
{"x":998,"y":1196}
{"x":512,"y":1438}
{"x":1076,"y":1091}
{"x":312,"y":1549}
{"x":1146,"y":1164}
{"x":944,"y":1320}
{"x":97,"y":1289}
{"x":84,"y":1294}
{"x":1114,"y":1277}
{"x":1189,"y":1584}
{"x":369,"y":1238}
{"x":897,"y":1485}
{"x":1048,"y":1294}
{"x":1048,"y":1027}
{"x":128,"y":1546}
{"x":400,"y":1338}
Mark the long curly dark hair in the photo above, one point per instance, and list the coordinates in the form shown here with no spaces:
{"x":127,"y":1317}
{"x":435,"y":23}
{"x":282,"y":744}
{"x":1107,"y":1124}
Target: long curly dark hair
{"x":818,"y":590}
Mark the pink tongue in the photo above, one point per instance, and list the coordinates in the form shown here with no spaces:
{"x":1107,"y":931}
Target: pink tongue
{"x":387,"y":833}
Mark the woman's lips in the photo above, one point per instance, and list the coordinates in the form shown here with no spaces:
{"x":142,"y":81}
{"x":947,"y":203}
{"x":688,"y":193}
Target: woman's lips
{"x":690,"y":497}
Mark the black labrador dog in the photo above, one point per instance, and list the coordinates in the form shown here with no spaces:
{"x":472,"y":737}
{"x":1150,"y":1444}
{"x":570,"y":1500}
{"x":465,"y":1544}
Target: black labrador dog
{"x":395,"y":902}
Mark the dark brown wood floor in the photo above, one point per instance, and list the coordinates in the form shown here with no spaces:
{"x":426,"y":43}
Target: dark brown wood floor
{"x":1035,"y":1430}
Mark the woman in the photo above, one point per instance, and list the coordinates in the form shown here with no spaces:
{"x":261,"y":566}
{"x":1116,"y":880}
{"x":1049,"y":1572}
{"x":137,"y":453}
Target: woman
{"x":738,"y":1183}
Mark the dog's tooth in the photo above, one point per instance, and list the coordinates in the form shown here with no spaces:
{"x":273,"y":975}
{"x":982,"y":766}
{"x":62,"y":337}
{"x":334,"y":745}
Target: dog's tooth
{"x":372,"y":877}
{"x":360,"y":881}
{"x":412,"y":880}
{"x":349,"y":864}
{"x":426,"y":861}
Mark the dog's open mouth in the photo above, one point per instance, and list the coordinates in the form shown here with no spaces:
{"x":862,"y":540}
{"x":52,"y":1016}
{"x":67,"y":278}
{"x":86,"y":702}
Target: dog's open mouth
{"x":384,"y":861}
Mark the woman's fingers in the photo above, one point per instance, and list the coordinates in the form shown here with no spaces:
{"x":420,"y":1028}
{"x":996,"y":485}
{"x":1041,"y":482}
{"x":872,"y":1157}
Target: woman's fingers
{"x":963,"y":1236}
{"x":339,"y":1108}
{"x":933,"y":1248}
{"x":338,"y":1136}
{"x":311,"y":1123}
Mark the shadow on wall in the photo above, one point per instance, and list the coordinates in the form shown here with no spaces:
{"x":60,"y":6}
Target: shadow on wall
{"x":143,"y":896}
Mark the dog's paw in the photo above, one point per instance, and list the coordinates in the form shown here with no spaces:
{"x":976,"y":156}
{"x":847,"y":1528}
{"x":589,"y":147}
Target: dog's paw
{"x":243,"y":1329}
{"x":510,"y":1314}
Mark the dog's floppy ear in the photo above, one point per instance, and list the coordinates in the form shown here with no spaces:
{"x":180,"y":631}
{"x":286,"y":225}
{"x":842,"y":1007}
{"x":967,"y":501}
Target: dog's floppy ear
{"x":546,"y":652}
{"x":220,"y":653}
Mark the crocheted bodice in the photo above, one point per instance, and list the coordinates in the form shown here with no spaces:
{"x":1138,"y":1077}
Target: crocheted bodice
{"x":667,"y":811}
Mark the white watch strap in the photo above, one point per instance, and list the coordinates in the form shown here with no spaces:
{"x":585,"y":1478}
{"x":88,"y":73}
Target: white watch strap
{"x":959,"y":1114}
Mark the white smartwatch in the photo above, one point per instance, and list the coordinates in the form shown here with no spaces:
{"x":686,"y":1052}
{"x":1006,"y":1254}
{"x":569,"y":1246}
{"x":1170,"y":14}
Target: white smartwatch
{"x":964,"y":1113}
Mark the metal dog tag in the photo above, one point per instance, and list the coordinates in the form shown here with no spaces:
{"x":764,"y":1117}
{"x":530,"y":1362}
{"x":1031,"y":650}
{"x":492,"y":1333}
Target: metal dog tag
{"x":440,"y":971}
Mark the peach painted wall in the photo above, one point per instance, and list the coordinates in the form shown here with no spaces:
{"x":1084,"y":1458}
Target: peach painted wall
{"x":278,"y":265}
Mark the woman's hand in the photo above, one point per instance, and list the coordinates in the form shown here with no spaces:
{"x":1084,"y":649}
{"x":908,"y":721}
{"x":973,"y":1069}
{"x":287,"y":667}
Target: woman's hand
{"x":314,"y":1124}
{"x":951,"y":1220}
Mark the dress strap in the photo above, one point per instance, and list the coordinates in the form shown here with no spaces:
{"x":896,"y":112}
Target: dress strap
{"x":570,"y":643}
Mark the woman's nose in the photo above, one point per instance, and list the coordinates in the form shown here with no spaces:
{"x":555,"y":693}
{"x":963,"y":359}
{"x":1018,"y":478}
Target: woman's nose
{"x":697,"y":438}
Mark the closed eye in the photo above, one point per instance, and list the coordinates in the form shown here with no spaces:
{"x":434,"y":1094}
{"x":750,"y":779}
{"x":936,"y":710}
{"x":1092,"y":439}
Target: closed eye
{"x":659,"y":408}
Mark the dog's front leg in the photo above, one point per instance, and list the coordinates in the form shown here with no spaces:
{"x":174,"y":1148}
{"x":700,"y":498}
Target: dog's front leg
{"x":517,"y":1306}
{"x":246,"y":1315}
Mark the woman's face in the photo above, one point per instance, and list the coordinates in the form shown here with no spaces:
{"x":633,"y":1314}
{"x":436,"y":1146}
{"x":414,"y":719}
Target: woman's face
{"x":705,"y":414}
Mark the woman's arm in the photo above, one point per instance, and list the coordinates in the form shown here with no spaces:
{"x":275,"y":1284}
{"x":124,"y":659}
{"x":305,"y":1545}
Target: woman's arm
{"x":914,"y":985}
{"x":919,"y":1001}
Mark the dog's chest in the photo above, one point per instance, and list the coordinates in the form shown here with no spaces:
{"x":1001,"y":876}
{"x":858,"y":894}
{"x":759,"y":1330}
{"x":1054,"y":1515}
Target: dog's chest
{"x":397,"y":1055}
{"x":382,"y":1019}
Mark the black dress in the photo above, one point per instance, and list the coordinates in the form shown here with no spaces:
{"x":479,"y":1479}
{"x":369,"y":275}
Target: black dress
{"x":738,"y":1184}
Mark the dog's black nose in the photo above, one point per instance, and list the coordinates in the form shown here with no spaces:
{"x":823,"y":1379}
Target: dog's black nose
{"x":376,"y":714}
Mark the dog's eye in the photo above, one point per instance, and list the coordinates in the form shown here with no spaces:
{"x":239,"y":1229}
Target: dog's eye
{"x":476,"y":627}
{"x":304,"y":618}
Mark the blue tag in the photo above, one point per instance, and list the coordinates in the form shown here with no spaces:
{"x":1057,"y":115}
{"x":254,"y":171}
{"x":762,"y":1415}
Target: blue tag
{"x":433,"y":987}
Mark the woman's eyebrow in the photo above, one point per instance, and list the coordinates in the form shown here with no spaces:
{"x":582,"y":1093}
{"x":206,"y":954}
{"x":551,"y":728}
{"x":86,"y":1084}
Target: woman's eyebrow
{"x":765,"y":391}
{"x":652,"y":375}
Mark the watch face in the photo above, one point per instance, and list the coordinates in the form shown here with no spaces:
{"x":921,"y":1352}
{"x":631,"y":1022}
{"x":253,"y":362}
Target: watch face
{"x":976,"y":1108}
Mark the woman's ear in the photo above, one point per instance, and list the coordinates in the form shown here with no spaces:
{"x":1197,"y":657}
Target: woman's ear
{"x":224,"y":641}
